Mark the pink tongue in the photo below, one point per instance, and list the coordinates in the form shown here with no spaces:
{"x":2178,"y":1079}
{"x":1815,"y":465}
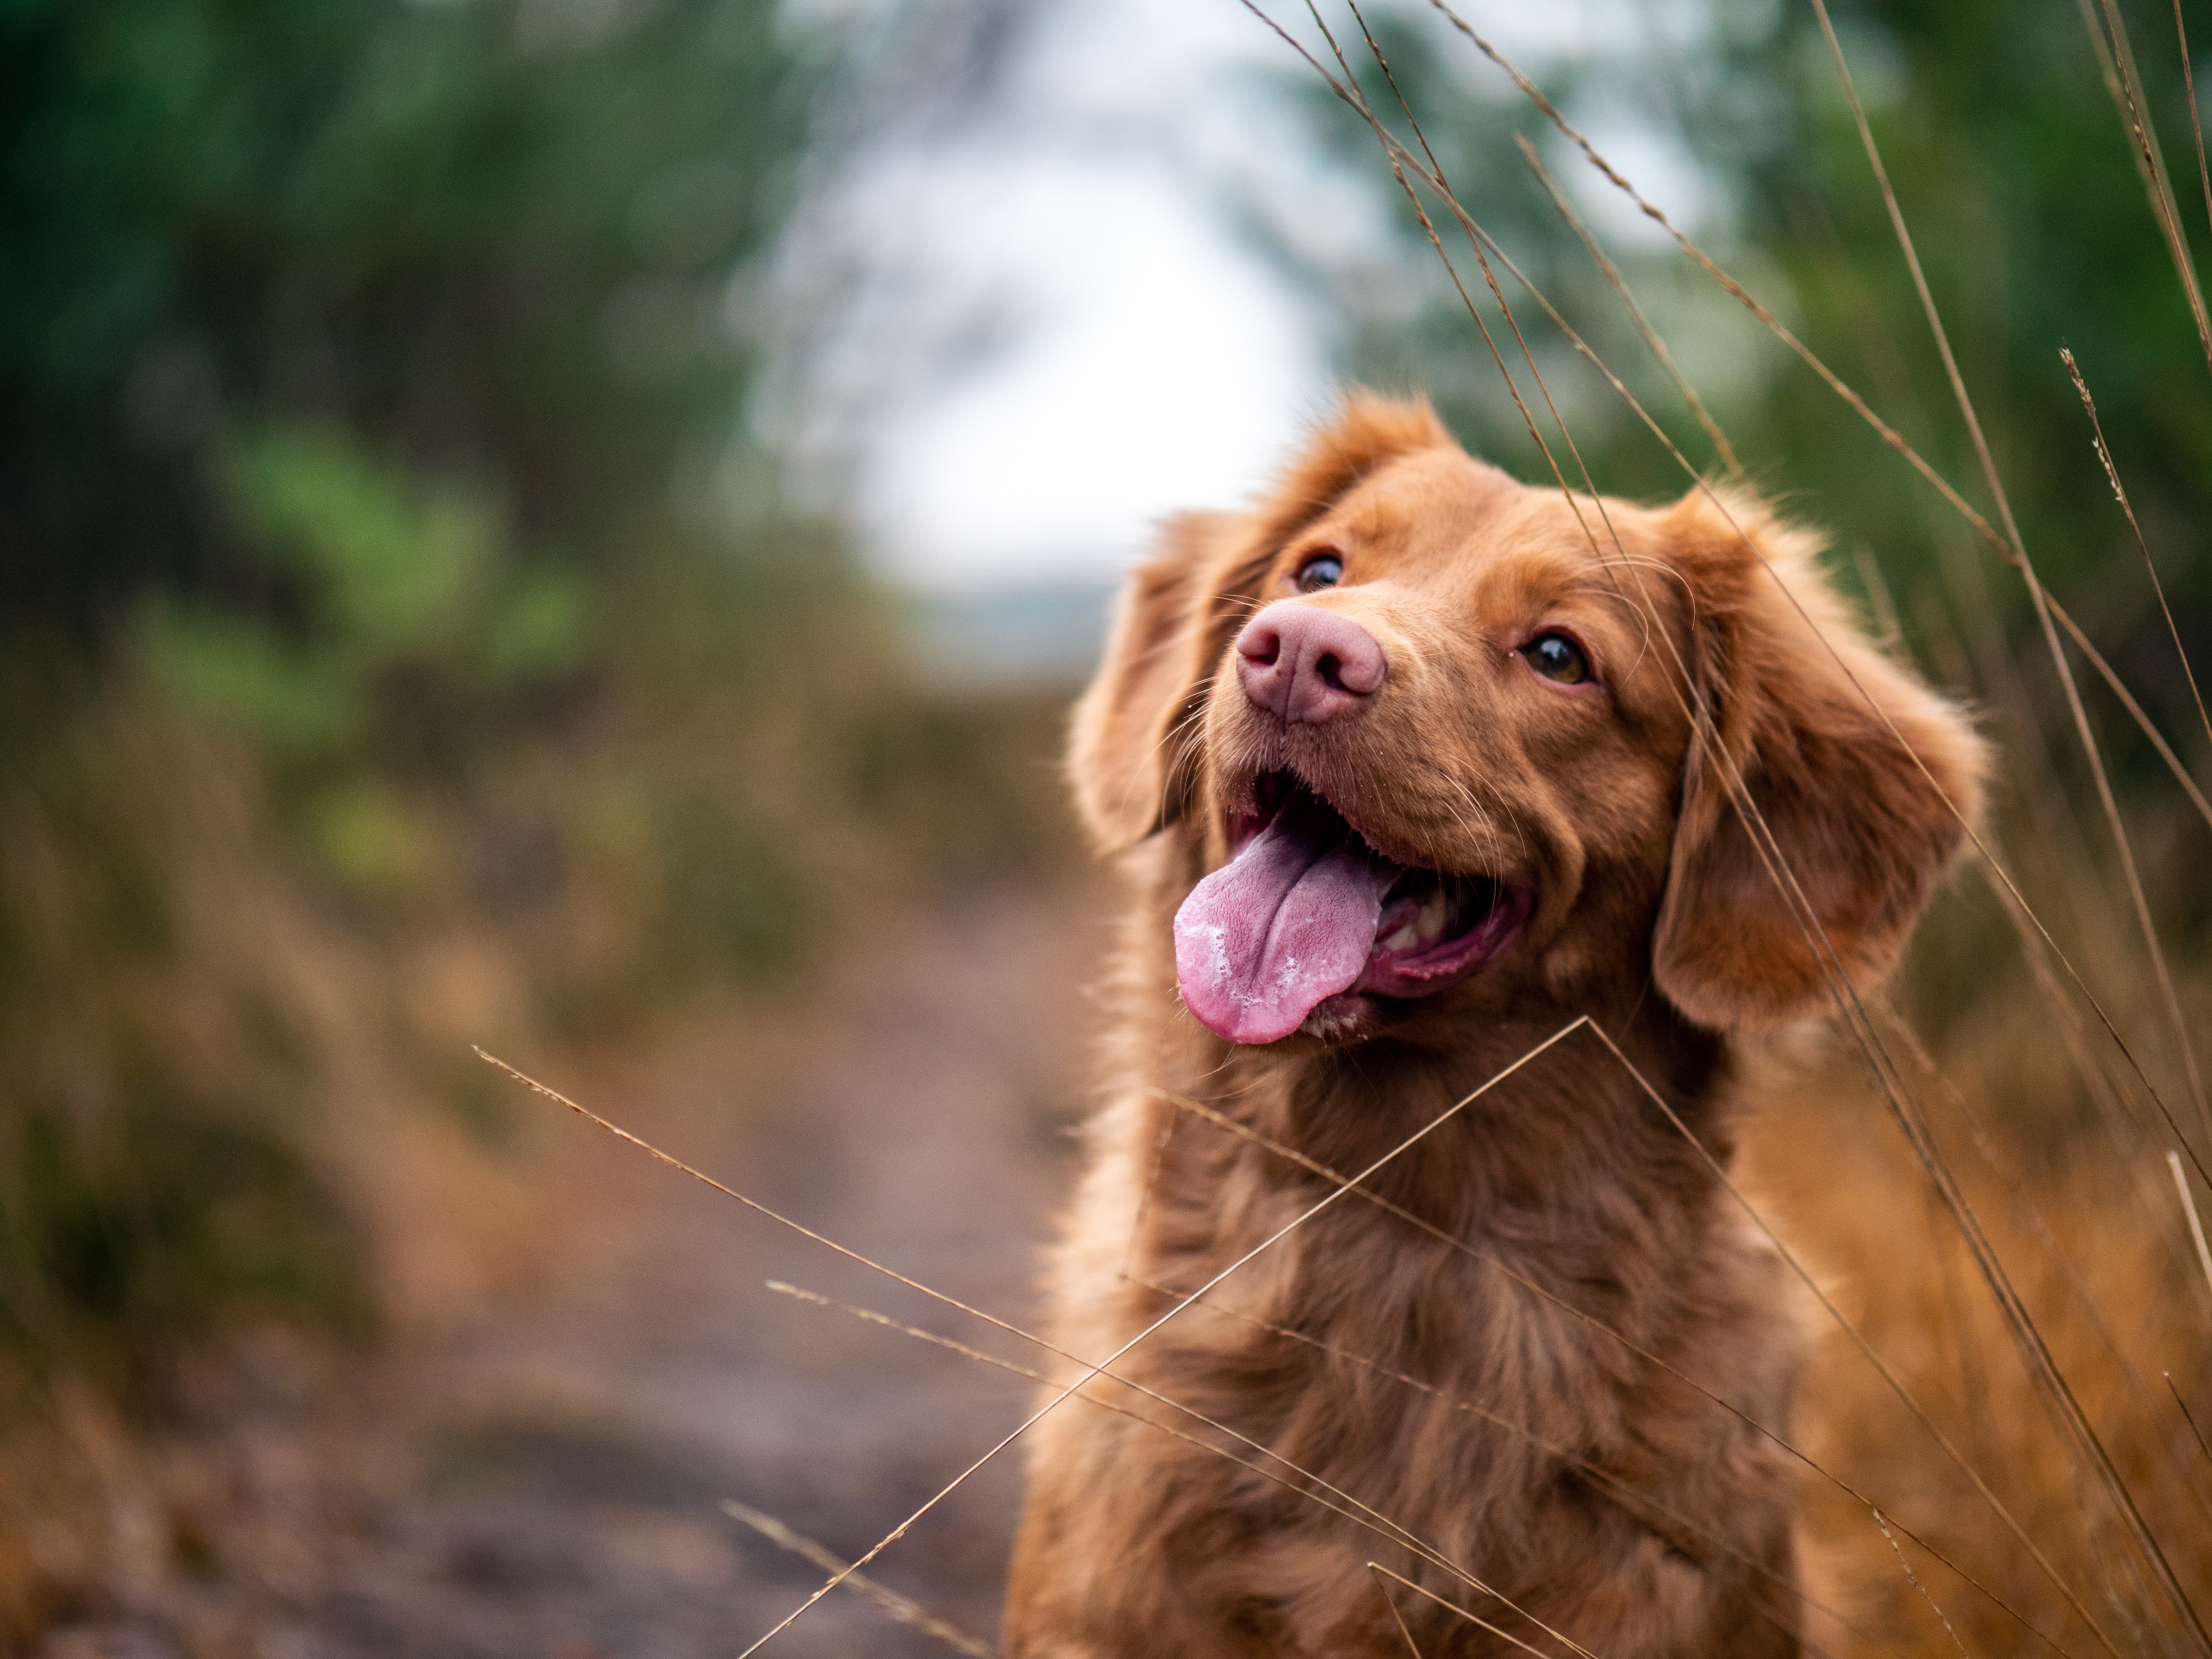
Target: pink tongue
{"x":1287,"y":923}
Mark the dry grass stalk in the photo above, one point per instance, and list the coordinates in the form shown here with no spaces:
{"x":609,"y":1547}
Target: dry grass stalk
{"x":2195,"y":120}
{"x":2116,"y":60}
{"x":2094,"y":1451}
{"x":2150,"y":565}
{"x":1620,"y":285}
{"x":907,"y":1612}
{"x":2039,"y":1360}
{"x":1711,"y":1392}
{"x":1360,"y":1514}
{"x":2188,"y":1209}
{"x":1480,"y":1624}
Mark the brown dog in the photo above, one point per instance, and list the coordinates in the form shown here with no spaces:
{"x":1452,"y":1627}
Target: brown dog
{"x":1417,"y":764}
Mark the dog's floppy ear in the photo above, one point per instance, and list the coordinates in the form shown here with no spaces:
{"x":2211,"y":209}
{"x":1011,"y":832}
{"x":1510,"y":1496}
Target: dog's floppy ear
{"x":1814,"y":722}
{"x":1125,"y":742}
{"x":1134,"y":732}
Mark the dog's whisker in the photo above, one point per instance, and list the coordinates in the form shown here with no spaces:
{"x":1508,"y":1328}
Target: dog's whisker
{"x":1476,"y":822}
{"x":1193,"y":713}
{"x":1485,"y":820}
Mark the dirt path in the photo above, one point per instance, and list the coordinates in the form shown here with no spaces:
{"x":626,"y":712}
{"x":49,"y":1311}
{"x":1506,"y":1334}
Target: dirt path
{"x":577,"y":1431}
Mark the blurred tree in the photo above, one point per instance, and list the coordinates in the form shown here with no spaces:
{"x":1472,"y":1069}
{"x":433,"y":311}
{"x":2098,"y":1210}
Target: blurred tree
{"x":373,"y":377}
{"x":2015,"y":171}
{"x":489,"y":238}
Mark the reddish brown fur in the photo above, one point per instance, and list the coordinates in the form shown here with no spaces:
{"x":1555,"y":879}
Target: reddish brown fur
{"x":1656,"y":917}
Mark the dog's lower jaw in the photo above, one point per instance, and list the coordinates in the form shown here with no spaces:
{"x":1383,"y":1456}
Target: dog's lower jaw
{"x":1347,"y":1017}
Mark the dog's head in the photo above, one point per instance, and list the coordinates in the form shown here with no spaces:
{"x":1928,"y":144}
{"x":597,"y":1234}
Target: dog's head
{"x":1434,"y":740}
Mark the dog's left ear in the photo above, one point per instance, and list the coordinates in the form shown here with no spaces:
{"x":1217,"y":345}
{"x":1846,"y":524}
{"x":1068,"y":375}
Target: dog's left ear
{"x":1861,"y":779}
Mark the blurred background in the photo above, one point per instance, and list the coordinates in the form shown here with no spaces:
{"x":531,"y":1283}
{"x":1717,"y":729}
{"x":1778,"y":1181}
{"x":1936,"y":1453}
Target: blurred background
{"x":571,"y":527}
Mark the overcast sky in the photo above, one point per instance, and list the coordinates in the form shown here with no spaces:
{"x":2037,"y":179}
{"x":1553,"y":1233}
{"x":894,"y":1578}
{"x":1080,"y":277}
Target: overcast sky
{"x":1132,"y":357}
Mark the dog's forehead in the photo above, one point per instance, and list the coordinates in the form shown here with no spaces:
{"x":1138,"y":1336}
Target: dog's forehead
{"x":1442,"y":511}
{"x":1423,"y":500}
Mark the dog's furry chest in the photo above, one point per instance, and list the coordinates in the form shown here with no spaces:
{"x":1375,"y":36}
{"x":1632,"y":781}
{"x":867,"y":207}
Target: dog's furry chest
{"x":1430,"y":1321}
{"x":1494,"y":1379}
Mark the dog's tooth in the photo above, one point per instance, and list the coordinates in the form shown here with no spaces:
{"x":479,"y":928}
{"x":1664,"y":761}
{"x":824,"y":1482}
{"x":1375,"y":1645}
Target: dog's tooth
{"x":1429,"y":925}
{"x":1399,"y":940}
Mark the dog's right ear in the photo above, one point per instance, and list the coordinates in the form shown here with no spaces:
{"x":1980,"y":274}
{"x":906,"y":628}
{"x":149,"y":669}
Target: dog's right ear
{"x":1135,"y":741}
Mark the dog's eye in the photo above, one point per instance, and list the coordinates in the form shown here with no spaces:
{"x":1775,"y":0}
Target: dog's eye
{"x":1556,"y":657}
{"x":1325,"y":570}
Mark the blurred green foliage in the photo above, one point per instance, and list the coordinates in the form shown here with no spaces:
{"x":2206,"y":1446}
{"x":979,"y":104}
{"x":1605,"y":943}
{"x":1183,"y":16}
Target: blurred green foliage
{"x":372,"y":378}
{"x":2015,"y":172}
{"x":134,"y":1234}
{"x":493,"y":239}
{"x":387,"y":580}
{"x":403,"y":644}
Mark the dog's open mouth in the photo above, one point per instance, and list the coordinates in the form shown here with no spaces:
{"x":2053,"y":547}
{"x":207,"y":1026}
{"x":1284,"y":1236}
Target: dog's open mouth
{"x":1307,"y":911}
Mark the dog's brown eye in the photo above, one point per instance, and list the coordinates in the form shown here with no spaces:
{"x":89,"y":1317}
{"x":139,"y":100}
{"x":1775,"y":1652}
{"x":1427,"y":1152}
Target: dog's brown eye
{"x":1556,"y":657}
{"x":1326,"y":570}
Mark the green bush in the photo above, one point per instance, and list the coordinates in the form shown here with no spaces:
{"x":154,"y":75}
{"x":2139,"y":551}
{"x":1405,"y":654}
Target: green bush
{"x":131,"y":1235}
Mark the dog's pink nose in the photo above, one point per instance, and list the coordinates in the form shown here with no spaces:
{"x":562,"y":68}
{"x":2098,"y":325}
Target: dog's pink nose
{"x":1304,"y":665}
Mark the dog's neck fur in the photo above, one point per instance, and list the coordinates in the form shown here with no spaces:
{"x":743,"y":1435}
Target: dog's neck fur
{"x":1560,"y":1200}
{"x":1563,"y":1165}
